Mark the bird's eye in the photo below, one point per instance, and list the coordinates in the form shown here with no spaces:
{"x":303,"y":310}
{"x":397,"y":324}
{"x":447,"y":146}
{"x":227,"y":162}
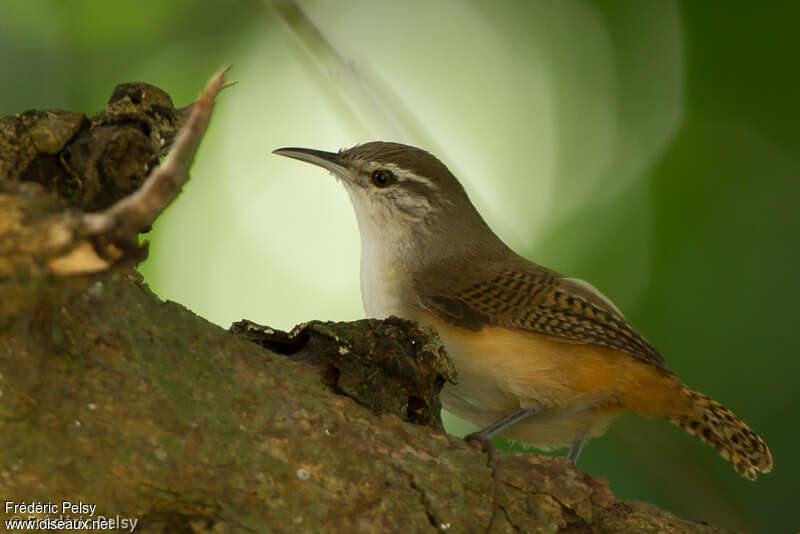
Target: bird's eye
{"x":383,"y":178}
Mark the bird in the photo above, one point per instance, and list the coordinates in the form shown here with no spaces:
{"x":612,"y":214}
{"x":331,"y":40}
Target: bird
{"x":541,"y":358}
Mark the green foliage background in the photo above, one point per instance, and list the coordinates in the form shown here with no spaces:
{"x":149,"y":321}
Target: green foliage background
{"x":649,"y":147}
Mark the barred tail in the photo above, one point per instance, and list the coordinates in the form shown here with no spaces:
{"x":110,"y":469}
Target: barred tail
{"x":716,"y":425}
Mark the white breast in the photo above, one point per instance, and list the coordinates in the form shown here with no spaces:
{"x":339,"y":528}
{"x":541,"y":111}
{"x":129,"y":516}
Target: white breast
{"x":381,"y":281}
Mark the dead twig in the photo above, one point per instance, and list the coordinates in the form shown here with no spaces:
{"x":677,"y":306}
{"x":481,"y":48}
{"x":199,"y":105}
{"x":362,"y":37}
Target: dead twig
{"x":125,"y":219}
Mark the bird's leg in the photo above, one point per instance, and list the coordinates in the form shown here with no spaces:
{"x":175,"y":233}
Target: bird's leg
{"x":576,"y":449}
{"x":482,"y":436}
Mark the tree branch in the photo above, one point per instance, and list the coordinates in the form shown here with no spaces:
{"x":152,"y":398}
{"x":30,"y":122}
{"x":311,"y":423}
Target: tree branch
{"x":112,"y":397}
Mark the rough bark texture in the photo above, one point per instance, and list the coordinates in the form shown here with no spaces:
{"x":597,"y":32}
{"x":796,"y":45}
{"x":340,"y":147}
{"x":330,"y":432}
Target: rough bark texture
{"x":112,"y":397}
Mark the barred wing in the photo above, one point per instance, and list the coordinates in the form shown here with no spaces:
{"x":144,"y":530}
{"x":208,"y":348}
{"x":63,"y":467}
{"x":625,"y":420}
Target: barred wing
{"x":541,"y":301}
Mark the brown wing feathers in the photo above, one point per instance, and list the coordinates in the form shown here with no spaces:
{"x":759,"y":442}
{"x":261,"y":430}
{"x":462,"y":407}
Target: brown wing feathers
{"x":540,"y":303}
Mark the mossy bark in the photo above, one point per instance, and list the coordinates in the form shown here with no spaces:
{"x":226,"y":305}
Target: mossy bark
{"x":110,"y":396}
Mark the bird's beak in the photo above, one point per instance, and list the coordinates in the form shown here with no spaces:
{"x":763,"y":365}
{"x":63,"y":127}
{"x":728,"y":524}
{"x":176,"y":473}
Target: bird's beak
{"x":326,"y":160}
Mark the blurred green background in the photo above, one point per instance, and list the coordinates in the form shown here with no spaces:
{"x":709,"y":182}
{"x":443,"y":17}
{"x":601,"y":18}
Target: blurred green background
{"x":650,"y":147}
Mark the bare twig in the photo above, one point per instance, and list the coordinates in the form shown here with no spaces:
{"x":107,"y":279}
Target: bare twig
{"x":365,"y":95}
{"x":135,"y":213}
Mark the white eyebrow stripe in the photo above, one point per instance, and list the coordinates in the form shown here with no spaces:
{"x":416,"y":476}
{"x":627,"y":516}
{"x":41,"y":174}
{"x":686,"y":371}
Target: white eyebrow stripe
{"x":421,"y":179}
{"x":405,"y":174}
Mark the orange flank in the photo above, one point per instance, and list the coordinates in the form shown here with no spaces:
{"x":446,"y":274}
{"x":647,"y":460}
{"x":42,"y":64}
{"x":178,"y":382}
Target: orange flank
{"x":583,"y":386}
